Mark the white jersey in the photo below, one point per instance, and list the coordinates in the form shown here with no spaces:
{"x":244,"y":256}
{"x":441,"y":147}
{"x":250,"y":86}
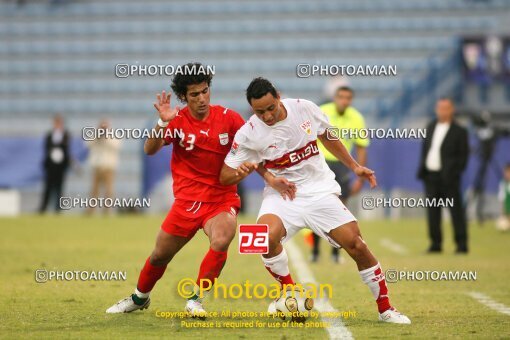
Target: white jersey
{"x":288,"y":148}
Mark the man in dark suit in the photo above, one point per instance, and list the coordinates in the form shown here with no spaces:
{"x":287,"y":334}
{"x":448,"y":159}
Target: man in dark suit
{"x":444,"y":157}
{"x":56,"y":162}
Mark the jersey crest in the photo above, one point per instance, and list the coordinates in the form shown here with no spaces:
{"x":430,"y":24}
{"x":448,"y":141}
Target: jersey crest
{"x":223,"y":138}
{"x":307,"y":127}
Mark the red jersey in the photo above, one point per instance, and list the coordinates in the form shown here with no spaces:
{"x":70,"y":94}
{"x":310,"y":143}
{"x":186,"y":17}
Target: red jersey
{"x":199,"y":149}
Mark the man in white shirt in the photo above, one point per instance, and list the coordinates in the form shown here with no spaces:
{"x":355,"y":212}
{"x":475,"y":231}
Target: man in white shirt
{"x":444,"y":157}
{"x":104,"y":158}
{"x":280,"y":139}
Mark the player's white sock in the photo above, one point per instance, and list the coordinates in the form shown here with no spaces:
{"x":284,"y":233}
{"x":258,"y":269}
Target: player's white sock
{"x":373,"y":277}
{"x":278,"y":267}
{"x":141,"y":295}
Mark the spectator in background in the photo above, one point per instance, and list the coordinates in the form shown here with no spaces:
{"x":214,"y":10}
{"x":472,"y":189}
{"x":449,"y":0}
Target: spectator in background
{"x":104,"y":158}
{"x":444,"y":158}
{"x":56,"y":163}
{"x":331,"y":87}
{"x":503,"y":222}
{"x":343,"y":116}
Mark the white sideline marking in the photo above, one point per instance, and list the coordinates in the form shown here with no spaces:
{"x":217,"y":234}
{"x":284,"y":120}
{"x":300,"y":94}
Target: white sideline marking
{"x":492,"y":304}
{"x":337,"y":330}
{"x":394,"y":247}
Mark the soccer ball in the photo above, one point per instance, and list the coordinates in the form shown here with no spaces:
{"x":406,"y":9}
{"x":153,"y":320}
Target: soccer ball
{"x":294,"y":305}
{"x":502,"y":223}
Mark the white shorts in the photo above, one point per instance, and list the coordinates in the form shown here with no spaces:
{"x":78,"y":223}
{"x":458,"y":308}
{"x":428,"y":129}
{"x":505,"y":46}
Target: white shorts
{"x":320,"y":215}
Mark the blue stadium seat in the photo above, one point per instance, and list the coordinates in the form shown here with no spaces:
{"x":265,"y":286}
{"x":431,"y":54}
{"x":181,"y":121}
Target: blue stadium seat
{"x":71,"y":50}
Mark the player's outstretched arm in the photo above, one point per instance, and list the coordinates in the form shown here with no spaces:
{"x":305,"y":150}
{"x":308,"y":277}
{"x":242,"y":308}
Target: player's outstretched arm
{"x":340,"y":152}
{"x":166,"y":114}
{"x":231,"y":176}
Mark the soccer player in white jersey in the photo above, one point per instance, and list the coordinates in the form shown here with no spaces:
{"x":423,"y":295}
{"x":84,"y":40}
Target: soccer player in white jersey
{"x":282,"y":137}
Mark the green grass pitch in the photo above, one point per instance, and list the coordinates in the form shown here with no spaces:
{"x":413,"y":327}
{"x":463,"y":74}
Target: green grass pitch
{"x":76,"y":309}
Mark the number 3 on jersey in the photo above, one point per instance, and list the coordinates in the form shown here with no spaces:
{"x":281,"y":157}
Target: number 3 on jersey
{"x":190,"y":141}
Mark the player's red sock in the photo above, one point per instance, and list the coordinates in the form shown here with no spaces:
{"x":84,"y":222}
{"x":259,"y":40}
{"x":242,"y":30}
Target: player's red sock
{"x":149,"y":275}
{"x":374,"y":278}
{"x":211,"y":267}
{"x":278,"y":266}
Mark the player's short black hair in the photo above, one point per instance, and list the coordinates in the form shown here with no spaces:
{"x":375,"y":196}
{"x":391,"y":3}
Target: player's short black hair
{"x":345,"y":88}
{"x":181,"y":80}
{"x":258,"y":88}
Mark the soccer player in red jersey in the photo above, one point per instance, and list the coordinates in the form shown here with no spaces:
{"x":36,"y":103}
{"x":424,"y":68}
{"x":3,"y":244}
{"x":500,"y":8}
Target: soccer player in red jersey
{"x":201,"y":135}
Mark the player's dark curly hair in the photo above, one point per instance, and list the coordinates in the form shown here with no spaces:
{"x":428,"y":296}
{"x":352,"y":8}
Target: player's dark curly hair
{"x":181,"y":81}
{"x":258,"y":88}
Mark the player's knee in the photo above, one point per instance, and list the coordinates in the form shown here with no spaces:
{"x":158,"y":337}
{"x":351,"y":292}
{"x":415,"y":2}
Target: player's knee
{"x":357,"y":246}
{"x":159,"y":258}
{"x":276,"y":234}
{"x":222,"y":241}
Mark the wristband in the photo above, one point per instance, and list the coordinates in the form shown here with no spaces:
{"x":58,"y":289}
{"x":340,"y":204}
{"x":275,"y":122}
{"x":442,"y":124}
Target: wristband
{"x":162,"y":124}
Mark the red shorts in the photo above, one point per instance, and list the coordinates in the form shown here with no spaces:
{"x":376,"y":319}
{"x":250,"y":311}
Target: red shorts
{"x":185,"y":218}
